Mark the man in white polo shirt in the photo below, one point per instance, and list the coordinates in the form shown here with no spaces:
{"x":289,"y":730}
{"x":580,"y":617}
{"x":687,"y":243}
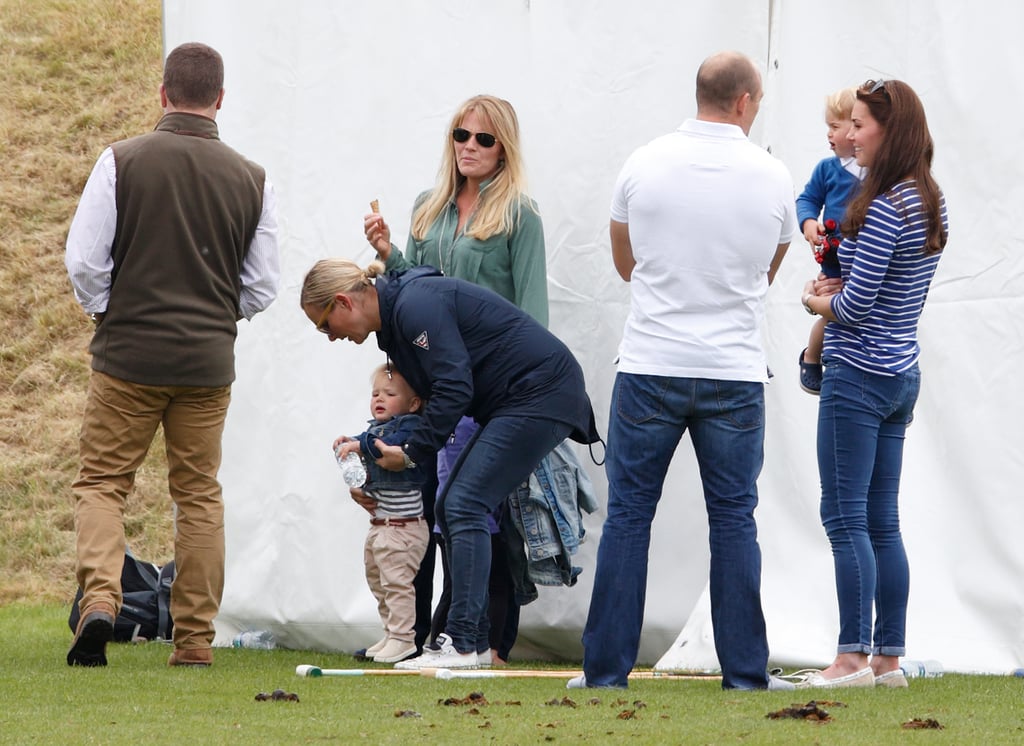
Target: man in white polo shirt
{"x":701,"y":219}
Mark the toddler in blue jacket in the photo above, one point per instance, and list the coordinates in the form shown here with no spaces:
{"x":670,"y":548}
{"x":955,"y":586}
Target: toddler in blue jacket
{"x":820,"y":209}
{"x":398,"y":533}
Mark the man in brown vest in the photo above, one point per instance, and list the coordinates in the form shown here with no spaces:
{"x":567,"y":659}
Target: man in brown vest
{"x":174,"y":241}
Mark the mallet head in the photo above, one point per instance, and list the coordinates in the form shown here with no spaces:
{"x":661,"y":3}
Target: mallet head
{"x":308,"y":671}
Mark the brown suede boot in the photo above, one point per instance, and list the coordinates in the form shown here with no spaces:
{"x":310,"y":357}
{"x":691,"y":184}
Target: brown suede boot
{"x":195,"y":657}
{"x":95,"y":630}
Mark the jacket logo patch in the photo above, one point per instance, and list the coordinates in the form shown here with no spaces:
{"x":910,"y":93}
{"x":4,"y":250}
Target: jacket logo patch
{"x":422,"y":341}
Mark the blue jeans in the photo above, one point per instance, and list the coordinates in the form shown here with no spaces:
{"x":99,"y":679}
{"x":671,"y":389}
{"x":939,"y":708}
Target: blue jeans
{"x":501,"y":454}
{"x":649,"y":415}
{"x":862,"y":420}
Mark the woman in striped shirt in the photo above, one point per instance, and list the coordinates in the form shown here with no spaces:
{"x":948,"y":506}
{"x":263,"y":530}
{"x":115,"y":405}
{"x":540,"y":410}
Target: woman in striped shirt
{"x":895,"y":230}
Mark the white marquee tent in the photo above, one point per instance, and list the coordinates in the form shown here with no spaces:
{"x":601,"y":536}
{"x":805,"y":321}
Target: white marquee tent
{"x":346,"y":101}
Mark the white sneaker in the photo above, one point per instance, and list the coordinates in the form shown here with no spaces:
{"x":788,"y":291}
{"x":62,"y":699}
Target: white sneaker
{"x":775,"y":683}
{"x":577,"y":682}
{"x":484,"y":660}
{"x":440,"y":654}
{"x":394,"y":651}
{"x":376,"y":647}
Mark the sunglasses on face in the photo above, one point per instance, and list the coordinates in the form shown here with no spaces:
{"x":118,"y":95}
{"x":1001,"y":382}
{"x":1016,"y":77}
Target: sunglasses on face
{"x":483,"y":139}
{"x":321,"y":324}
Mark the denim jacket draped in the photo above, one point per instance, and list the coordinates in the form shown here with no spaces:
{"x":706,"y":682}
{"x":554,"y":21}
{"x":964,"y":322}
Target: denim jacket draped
{"x":545,"y":523}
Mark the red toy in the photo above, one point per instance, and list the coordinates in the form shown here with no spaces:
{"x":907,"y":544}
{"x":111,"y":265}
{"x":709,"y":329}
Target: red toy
{"x":829,"y":241}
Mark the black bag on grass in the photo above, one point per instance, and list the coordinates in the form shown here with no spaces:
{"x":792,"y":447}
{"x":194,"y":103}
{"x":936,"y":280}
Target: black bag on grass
{"x":146,"y":602}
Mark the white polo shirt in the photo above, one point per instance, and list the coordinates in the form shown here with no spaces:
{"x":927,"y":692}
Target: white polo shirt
{"x":706,"y":210}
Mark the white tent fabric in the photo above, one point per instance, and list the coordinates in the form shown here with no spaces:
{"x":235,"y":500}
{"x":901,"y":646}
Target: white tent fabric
{"x":345,"y":102}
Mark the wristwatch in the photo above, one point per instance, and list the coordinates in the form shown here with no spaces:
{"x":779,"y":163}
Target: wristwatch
{"x":409,"y":463}
{"x":806,"y":306}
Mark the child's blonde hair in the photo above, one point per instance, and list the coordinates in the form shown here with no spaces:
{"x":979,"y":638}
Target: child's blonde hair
{"x":839,"y":105}
{"x":389,"y":370}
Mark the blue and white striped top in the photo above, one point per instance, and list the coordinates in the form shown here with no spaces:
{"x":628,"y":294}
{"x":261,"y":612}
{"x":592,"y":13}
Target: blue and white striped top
{"x":886,"y":276}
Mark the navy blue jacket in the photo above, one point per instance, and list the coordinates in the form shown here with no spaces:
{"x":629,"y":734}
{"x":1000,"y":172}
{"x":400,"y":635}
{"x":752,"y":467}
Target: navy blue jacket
{"x":468,"y":351}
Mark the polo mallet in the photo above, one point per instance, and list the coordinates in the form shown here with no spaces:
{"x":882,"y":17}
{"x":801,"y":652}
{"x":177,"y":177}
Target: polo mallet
{"x":315,"y":672}
{"x":446,"y":674}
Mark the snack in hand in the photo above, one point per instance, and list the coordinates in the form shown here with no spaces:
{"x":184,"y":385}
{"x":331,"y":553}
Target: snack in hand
{"x":374,"y":206}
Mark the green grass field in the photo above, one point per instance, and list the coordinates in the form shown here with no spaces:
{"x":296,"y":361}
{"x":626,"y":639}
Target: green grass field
{"x":137,"y":699}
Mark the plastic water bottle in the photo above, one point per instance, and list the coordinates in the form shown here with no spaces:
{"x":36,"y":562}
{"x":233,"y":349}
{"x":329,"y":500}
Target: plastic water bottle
{"x":921,"y":669}
{"x":255,"y":639}
{"x":353,"y":470}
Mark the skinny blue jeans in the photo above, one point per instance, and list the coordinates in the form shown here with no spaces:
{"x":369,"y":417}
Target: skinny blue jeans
{"x":649,"y":415}
{"x":502,"y":454}
{"x":862,"y":421}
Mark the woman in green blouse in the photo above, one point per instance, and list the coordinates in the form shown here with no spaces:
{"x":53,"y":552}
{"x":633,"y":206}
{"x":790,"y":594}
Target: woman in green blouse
{"x":478,"y":224}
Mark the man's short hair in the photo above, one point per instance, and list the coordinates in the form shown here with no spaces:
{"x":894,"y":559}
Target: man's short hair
{"x":193,"y":76}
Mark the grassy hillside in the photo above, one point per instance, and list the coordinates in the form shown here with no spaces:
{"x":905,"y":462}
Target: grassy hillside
{"x":75,"y":75}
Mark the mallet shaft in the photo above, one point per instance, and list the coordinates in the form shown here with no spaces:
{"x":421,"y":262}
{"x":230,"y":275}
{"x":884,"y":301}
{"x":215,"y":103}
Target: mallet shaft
{"x":506,"y":673}
{"x":478,"y":673}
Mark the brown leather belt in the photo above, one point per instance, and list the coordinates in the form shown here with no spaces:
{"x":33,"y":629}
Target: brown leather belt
{"x":395,"y":521}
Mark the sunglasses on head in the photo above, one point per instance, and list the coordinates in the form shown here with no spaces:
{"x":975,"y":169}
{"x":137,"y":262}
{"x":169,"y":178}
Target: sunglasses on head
{"x":874,"y":86}
{"x":483,"y":139}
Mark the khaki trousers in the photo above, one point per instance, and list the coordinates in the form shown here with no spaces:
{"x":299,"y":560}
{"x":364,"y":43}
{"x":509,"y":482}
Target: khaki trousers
{"x":392,"y":555}
{"x":118,"y":426}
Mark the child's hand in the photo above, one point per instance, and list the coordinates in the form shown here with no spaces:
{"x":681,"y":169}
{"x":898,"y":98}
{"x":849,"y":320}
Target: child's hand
{"x":813,"y":231}
{"x":345,"y":445}
{"x":363,"y":500}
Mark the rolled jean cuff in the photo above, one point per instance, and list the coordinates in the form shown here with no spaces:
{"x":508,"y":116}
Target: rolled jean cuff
{"x":855,"y":647}
{"x":898,"y":652}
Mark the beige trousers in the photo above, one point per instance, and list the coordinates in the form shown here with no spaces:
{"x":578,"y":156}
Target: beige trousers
{"x":118,"y":426}
{"x":392,"y":555}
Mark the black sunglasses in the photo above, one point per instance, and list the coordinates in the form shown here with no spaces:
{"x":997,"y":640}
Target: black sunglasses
{"x":484,"y":139}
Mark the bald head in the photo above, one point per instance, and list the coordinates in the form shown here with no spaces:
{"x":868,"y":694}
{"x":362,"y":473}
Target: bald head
{"x":724,"y":80}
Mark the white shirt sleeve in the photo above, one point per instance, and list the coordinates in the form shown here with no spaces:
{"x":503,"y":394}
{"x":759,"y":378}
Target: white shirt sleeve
{"x":90,"y":241}
{"x":261,"y":270}
{"x":89,"y":259}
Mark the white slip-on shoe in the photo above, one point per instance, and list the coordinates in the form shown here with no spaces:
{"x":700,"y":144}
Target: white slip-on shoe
{"x":815,"y":680}
{"x":440,"y":654}
{"x":892,"y":680}
{"x":376,"y":647}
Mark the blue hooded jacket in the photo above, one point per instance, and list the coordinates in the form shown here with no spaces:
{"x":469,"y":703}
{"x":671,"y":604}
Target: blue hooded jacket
{"x":468,"y":351}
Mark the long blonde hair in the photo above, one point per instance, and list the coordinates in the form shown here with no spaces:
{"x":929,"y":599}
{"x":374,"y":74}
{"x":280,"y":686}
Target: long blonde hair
{"x":501,"y":202}
{"x":328,"y":277}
